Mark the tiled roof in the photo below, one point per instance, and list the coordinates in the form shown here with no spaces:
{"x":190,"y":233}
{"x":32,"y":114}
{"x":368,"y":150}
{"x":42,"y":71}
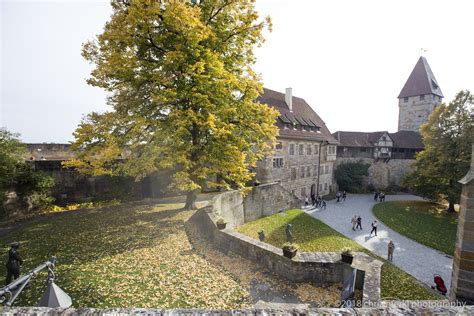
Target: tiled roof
{"x":401,"y":139}
{"x":302,"y":114}
{"x":407,"y":139}
{"x":421,"y":81}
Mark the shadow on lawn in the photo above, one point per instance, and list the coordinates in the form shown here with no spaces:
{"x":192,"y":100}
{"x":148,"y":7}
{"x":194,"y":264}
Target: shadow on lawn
{"x":81,"y":237}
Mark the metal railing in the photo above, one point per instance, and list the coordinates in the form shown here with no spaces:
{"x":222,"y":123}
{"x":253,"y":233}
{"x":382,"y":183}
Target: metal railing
{"x":9,"y":293}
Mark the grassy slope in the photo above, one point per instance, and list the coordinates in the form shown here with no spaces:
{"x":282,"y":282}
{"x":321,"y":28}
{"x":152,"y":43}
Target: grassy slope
{"x":427,"y":223}
{"x":124,"y":256}
{"x":313,"y":235}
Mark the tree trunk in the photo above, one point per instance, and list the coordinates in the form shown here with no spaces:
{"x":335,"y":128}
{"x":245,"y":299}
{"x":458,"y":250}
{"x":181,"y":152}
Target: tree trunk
{"x":191,"y":198}
{"x":450,"y":207}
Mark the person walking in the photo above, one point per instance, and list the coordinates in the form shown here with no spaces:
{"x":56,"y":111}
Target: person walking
{"x":338,"y":196}
{"x":306,"y":201}
{"x":323,"y":204}
{"x":13,"y":264}
{"x":376,"y":196}
{"x":344,"y":195}
{"x":359,"y":222}
{"x":354,"y":222}
{"x":374,"y":228}
{"x":391,"y":248}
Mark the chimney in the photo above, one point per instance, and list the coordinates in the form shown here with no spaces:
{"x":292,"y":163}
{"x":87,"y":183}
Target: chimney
{"x":289,"y":98}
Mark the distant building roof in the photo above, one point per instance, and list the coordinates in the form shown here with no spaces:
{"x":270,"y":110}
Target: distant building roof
{"x":401,"y":139}
{"x":421,"y":81}
{"x":302,"y":115}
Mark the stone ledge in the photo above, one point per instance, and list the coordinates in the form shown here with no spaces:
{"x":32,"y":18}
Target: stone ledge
{"x":393,"y":308}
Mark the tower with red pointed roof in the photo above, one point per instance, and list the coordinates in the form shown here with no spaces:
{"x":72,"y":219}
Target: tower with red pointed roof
{"x":418,"y":98}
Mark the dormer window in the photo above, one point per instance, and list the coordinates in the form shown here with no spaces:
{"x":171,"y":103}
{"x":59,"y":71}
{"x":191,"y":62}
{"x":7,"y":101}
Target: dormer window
{"x":405,"y":99}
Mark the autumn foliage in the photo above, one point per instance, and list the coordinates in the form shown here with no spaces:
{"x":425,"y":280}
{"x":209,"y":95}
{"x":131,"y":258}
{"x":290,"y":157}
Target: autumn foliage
{"x":183,"y":94}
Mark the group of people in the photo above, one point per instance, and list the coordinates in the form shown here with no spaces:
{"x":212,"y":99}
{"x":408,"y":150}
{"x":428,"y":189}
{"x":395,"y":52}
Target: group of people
{"x":379,"y":196}
{"x":340,"y":196}
{"x":356,"y":222}
{"x":315,"y":201}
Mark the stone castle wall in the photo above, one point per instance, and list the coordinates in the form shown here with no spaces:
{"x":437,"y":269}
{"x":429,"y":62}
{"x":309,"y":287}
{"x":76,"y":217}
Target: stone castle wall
{"x":320,"y":268}
{"x":262,"y":200}
{"x":413,"y":113}
{"x":382,"y":174}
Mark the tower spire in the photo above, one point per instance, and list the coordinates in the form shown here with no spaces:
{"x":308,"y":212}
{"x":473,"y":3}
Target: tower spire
{"x":418,"y":97}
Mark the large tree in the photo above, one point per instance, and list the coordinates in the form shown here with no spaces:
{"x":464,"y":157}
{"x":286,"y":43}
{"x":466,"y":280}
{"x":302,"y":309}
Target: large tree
{"x":183,"y":93}
{"x":447,"y":137}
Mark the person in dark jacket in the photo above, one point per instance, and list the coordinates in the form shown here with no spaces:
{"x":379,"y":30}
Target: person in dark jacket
{"x":14,"y":262}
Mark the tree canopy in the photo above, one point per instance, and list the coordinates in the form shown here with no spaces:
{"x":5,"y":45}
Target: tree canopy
{"x":350,"y":176}
{"x":183,"y":93}
{"x":447,"y":137}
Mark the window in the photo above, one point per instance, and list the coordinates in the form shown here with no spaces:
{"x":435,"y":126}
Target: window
{"x":292,"y":149}
{"x":315,"y":173}
{"x":405,"y":99}
{"x":303,"y":192}
{"x":326,"y":169}
{"x":325,"y":186}
{"x":309,"y":150}
{"x":331,"y":150}
{"x":308,"y":171}
{"x":422,"y":97}
{"x":316,"y":149}
{"x":320,"y":187}
{"x":278,"y":163}
{"x":301,"y":149}
{"x":279,"y":146}
{"x":293,"y":173}
{"x":302,"y":172}
{"x":363,"y":149}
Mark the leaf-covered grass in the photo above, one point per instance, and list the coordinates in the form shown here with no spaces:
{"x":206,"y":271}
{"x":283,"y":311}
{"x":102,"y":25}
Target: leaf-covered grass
{"x":123,"y":256}
{"x":313,"y":235}
{"x":427,"y":223}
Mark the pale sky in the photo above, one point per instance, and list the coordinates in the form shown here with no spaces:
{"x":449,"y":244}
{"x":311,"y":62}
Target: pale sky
{"x":348,"y":59}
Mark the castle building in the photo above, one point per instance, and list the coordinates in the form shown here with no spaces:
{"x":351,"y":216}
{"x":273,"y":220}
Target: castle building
{"x":418,"y":98}
{"x":390,"y":154}
{"x":305,"y":153}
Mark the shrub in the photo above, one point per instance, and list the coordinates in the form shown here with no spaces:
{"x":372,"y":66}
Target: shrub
{"x":350,"y":176}
{"x":22,"y":189}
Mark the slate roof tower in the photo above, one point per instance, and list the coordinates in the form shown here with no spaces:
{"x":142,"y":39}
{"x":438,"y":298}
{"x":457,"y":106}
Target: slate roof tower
{"x":418,"y":98}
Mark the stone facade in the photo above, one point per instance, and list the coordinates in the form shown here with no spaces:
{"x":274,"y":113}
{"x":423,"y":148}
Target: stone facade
{"x":297,"y":164}
{"x":462,"y":281}
{"x":415,"y":110}
{"x":303,"y":159}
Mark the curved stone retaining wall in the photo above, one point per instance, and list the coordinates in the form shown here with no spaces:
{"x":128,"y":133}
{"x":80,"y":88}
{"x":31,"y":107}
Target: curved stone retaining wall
{"x":320,"y":268}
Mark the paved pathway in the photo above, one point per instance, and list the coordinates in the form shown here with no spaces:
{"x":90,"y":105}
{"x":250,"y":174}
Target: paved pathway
{"x":416,"y":259}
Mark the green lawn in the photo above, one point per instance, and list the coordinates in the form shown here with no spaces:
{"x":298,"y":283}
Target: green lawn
{"x":427,"y":223}
{"x":313,"y":235}
{"x":124,"y":256}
